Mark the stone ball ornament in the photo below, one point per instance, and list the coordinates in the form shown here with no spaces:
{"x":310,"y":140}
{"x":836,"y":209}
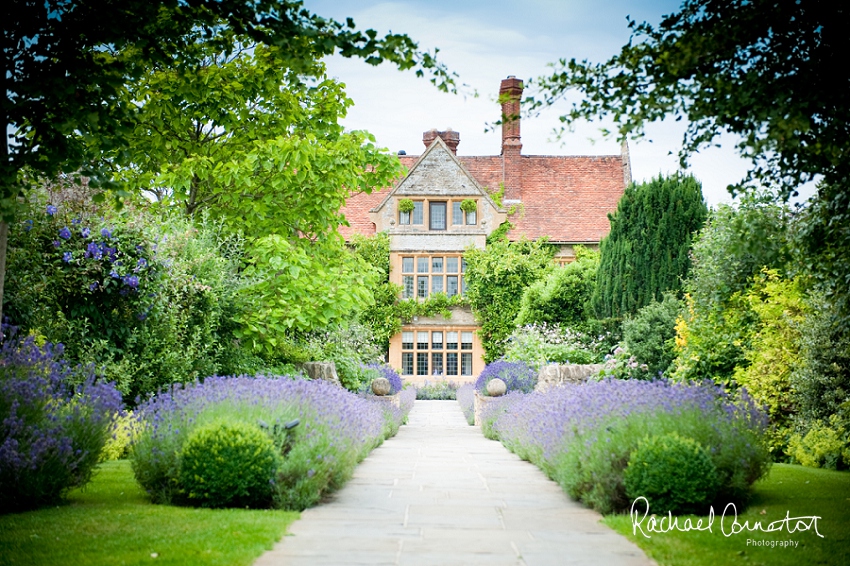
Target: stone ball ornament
{"x":496,"y":387}
{"x":381,"y":386}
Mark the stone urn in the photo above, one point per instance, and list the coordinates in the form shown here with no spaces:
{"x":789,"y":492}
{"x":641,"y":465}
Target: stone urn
{"x":496,"y":387}
{"x":381,"y":386}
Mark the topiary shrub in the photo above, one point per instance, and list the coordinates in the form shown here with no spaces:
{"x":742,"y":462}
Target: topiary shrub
{"x":674,"y":473}
{"x":228,"y":464}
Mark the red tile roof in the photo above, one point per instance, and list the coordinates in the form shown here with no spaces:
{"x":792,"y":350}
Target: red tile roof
{"x":567,"y":198}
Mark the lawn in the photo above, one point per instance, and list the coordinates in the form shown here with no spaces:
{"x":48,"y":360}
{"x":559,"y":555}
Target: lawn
{"x":112,"y":522}
{"x":792,"y":490}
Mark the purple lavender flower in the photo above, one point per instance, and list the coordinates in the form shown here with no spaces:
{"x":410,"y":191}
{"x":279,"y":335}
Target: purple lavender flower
{"x":85,"y":232}
{"x":106,"y":233}
{"x":114,"y":274}
{"x":67,"y":257}
{"x":56,"y":243}
{"x":51,"y":210}
{"x":141,"y":264}
{"x":518,"y":376}
{"x":65,"y":233}
{"x":131,"y":281}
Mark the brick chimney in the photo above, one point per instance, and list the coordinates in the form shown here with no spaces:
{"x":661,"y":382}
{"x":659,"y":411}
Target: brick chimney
{"x":510,"y":93}
{"x":450,"y":137}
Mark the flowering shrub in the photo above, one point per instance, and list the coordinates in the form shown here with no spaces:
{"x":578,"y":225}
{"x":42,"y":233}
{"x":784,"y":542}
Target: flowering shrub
{"x":539,"y":344}
{"x":582,"y":436}
{"x":351,"y":347}
{"x":466,"y":398}
{"x":51,"y":434}
{"x":374,"y":371}
{"x":622,"y":365}
{"x":337,"y":429}
{"x":437,"y":391}
{"x":518,"y":376}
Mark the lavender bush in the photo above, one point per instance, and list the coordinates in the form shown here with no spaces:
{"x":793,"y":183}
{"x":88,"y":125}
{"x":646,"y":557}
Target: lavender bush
{"x":466,"y":398}
{"x":337,"y":429}
{"x":51,"y":434}
{"x":374,"y":371}
{"x":582,"y":436}
{"x":437,"y":391}
{"x":518,"y":376}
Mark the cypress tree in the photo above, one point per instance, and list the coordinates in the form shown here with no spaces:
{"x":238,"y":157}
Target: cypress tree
{"x":646,"y":251}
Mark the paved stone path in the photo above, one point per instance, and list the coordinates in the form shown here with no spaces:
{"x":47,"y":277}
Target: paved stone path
{"x":439,"y":493}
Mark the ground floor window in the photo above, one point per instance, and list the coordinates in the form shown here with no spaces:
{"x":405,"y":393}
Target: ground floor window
{"x":443,"y":352}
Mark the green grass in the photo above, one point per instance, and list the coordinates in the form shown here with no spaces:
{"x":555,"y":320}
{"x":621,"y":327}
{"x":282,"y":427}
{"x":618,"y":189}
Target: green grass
{"x":795,"y":489}
{"x":112,"y":522}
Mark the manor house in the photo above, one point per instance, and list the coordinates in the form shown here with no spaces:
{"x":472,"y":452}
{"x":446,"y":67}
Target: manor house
{"x":430,"y":218}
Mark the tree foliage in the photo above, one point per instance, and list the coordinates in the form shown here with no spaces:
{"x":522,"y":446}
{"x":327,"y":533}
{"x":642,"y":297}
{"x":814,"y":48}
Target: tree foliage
{"x":646,"y":252}
{"x":771,"y":73}
{"x":564,"y":296}
{"x":496,"y":278}
{"x":650,"y":335}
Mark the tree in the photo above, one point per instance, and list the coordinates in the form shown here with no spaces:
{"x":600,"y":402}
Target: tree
{"x":496,"y":278}
{"x":66,"y":66}
{"x":771,"y":72}
{"x":646,"y":252}
{"x":564,"y":296}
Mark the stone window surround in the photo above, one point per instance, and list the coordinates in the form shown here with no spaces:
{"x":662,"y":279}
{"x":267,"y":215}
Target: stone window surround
{"x":415,"y":357}
{"x":405,"y":218}
{"x":412,"y":274}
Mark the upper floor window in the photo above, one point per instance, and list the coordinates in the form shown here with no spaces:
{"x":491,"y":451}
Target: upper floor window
{"x":440,"y":213}
{"x":412,"y":217}
{"x":461,"y":217}
{"x":437,"y":214}
{"x":424,"y":275}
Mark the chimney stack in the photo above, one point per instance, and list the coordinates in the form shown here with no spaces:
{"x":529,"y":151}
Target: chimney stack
{"x":510,"y":93}
{"x":450,"y":137}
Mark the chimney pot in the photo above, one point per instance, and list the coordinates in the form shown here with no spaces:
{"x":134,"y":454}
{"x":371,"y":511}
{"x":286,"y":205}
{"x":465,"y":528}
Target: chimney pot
{"x":449,"y":136}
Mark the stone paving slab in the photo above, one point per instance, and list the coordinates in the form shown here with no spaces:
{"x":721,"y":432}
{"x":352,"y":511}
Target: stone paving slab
{"x":439,"y":493}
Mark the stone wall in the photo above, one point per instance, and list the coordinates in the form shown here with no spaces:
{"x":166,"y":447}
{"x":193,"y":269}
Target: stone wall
{"x":555,"y":375}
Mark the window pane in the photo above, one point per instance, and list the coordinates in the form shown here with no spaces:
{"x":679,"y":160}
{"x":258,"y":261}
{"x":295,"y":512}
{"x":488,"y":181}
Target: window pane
{"x":437,"y":340}
{"x":437,"y":284}
{"x":451,"y":265}
{"x":407,"y":363}
{"x":451,"y":340}
{"x":437,"y":214}
{"x":466,"y":340}
{"x":422,"y":363}
{"x":471,"y":217}
{"x":436,"y":364}
{"x":451,"y":285}
{"x":451,"y":364}
{"x":407,"y":265}
{"x":436,"y":265}
{"x":407,"y":283}
{"x":422,"y":286}
{"x":463,"y":286}
{"x":463,"y":265}
{"x":457,"y":214}
{"x":422,"y":264}
{"x":466,"y":364}
{"x":407,"y":340}
{"x":404,"y":218}
{"x":417,"y":212}
{"x":422,"y":340}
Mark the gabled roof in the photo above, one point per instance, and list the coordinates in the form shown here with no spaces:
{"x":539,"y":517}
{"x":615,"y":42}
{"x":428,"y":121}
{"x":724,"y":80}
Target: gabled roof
{"x":566,"y":198}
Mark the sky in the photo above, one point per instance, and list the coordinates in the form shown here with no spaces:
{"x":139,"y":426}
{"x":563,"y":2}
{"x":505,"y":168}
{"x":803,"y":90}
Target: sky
{"x":484,"y":41}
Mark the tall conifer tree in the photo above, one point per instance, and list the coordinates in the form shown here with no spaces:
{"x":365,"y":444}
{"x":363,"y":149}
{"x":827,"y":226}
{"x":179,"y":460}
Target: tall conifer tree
{"x":646,"y":252}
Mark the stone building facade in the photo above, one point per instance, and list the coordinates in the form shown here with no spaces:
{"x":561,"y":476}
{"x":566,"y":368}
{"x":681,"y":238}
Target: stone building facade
{"x":565,"y":198}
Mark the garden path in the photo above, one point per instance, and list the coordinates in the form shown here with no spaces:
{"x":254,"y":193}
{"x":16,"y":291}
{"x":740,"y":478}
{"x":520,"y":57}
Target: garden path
{"x":439,"y":493}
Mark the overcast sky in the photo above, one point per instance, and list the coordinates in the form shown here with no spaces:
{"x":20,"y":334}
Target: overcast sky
{"x":484,"y":41}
